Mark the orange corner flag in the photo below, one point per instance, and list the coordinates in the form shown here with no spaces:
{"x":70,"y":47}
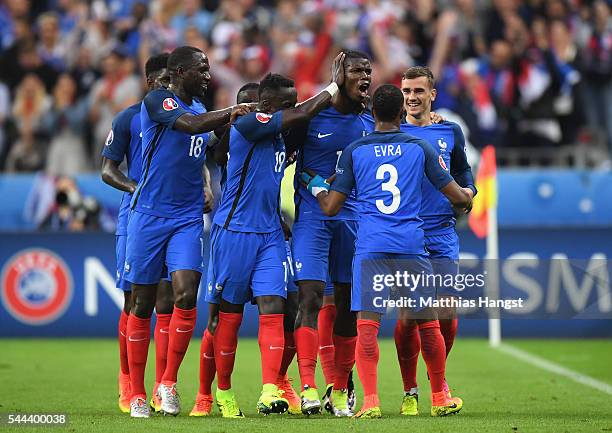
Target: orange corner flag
{"x":486,"y":184}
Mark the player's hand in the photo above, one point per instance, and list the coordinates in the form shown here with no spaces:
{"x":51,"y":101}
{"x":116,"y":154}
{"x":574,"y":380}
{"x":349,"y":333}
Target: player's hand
{"x":313,"y":182}
{"x":209,"y":200}
{"x":291,"y":158}
{"x":468,"y":207}
{"x":338,"y":69}
{"x":436,"y":118}
{"x":241,"y":110}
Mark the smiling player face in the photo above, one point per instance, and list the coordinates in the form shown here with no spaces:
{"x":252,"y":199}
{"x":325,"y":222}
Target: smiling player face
{"x":197,"y":77}
{"x":357,"y":79}
{"x":418,"y":97}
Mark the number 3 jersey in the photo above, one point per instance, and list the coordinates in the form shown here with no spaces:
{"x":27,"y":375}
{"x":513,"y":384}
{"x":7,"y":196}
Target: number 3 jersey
{"x":250,"y":200}
{"x":171,"y":183}
{"x":387,"y":169}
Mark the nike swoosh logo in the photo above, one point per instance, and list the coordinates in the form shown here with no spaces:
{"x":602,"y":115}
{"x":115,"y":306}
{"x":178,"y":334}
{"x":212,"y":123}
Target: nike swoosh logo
{"x":136,"y":339}
{"x":319,"y":135}
{"x":163,"y":330}
{"x":183,"y":330}
{"x":227,"y":353}
{"x":325,"y":347}
{"x":207,"y":357}
{"x":275,"y":347}
{"x":122,"y":334}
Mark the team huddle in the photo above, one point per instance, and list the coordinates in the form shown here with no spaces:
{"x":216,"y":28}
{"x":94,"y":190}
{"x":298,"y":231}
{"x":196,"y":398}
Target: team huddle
{"x":378,"y":181}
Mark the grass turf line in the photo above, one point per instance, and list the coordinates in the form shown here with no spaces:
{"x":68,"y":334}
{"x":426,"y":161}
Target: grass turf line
{"x":501,"y":394}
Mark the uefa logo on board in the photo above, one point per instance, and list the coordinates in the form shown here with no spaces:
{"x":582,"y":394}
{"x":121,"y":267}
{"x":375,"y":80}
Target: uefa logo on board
{"x":36,"y":286}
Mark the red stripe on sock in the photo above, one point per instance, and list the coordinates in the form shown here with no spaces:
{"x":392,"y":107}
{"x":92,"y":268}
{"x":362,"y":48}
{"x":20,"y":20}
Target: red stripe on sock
{"x":408,"y":345}
{"x":288,"y":354}
{"x":367,"y":355}
{"x":123,"y":354}
{"x":344,"y":359}
{"x":434,"y":353}
{"x":225,"y":343}
{"x":448,"y":329}
{"x":138,"y":338}
{"x":307,"y":344}
{"x":180,"y":332}
{"x":325,"y":327}
{"x":271,"y":345}
{"x":161,"y":336}
{"x":207,"y":363}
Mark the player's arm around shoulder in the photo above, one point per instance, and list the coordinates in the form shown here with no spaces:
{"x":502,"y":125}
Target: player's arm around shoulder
{"x":460,"y":168}
{"x":301,"y":113}
{"x":442,"y":180}
{"x":162,"y":107}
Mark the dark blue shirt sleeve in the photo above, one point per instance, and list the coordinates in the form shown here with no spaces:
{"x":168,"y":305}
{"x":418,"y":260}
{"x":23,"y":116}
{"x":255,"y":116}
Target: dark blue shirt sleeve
{"x":434,"y":166}
{"x":460,"y":168}
{"x":256,"y":127}
{"x":345,"y":179}
{"x":118,"y":139}
{"x":162,"y":107}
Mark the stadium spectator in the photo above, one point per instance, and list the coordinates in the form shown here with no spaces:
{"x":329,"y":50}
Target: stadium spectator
{"x":65,"y":124}
{"x":31,"y":104}
{"x":516,"y":71}
{"x":117,"y":89}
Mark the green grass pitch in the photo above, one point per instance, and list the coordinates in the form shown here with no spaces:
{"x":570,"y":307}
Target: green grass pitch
{"x":501,"y":394}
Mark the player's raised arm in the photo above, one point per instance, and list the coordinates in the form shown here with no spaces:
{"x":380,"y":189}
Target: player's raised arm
{"x":441,"y":179}
{"x":311,"y":107}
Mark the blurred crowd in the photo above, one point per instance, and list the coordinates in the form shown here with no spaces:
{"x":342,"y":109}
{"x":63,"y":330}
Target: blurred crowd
{"x":519,"y":73}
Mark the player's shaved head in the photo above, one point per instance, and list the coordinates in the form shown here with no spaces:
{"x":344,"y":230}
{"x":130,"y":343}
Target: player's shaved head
{"x":354,"y":54}
{"x":276,"y":92}
{"x":387,"y":103}
{"x":156,"y":64}
{"x":248,"y":93}
{"x":419,"y":71}
{"x":183,"y":57}
{"x":274,"y":82}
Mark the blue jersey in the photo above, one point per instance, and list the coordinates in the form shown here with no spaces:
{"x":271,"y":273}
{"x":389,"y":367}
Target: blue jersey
{"x":386,"y":170}
{"x":448,"y":142}
{"x":171,"y":185}
{"x":328,"y":134}
{"x":250,"y":198}
{"x":124,"y":141}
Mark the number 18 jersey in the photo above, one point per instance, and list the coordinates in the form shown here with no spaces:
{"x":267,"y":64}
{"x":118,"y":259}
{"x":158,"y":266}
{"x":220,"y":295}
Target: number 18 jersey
{"x":171,"y":184}
{"x":387,"y":169}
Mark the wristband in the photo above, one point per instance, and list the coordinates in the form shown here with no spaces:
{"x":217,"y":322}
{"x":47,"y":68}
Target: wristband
{"x":317,"y":185}
{"x":332,"y":89}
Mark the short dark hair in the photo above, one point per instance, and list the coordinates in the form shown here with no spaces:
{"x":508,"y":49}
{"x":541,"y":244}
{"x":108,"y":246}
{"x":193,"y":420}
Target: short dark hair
{"x":419,"y":71}
{"x":182,"y":57}
{"x":354,"y":54}
{"x":246,"y":88}
{"x":274,"y":82}
{"x":387,"y":102}
{"x":156,"y":63}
